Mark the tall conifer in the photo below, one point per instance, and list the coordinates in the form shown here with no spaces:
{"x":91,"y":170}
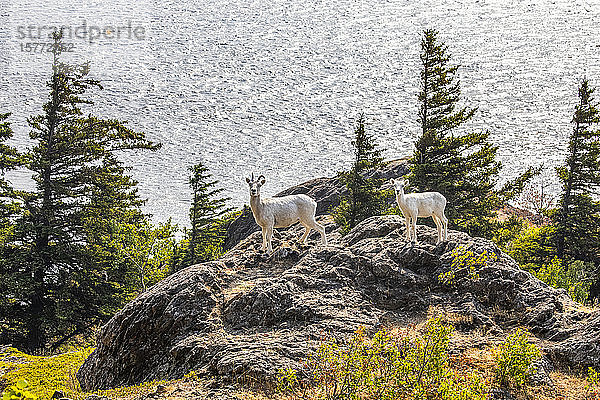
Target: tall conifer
{"x":577,"y":220}
{"x":364,"y":198}
{"x":207,"y":212}
{"x":461,"y":165}
{"x":80,"y":184}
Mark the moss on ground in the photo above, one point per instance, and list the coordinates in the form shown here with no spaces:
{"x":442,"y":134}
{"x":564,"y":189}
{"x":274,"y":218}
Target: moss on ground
{"x":46,"y":375}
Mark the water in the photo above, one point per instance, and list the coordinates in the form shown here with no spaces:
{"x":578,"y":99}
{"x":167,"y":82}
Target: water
{"x":273,"y":87}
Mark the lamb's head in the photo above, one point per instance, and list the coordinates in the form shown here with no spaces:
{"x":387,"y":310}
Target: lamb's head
{"x":255,"y":185}
{"x":399,"y":185}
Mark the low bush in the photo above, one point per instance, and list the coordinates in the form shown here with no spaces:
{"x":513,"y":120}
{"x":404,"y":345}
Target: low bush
{"x":572,"y":276}
{"x":592,"y":386}
{"x":514,"y":359}
{"x":385,"y":366}
{"x":18,"y":391}
{"x":533,"y":245}
{"x":43,"y":374}
{"x":466,"y":262}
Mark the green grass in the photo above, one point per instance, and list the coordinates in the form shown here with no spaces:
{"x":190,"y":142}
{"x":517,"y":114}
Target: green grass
{"x":45,"y":375}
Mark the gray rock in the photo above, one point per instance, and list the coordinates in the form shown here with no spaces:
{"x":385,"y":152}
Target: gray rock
{"x":96,"y":397}
{"x":577,"y":346}
{"x":500,"y":394}
{"x":540,"y":372}
{"x":248,"y":314}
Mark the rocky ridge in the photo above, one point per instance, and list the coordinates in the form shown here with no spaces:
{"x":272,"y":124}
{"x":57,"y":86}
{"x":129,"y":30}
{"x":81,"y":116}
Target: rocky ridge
{"x":246,"y":315}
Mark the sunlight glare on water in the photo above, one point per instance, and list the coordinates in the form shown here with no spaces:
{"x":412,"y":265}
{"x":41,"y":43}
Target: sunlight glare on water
{"x":273,"y":87}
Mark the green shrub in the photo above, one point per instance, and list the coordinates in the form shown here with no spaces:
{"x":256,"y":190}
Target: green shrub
{"x":508,"y":231}
{"x":18,"y":391}
{"x":385,"y":366}
{"x":533,"y":245}
{"x":514,"y":359}
{"x":466,"y":261}
{"x":592,"y":385}
{"x":572,"y":276}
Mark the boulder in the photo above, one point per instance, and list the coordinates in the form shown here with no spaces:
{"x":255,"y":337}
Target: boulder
{"x":249,"y":314}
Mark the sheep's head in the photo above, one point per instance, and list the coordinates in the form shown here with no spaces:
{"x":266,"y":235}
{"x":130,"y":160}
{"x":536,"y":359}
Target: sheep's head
{"x":255,"y":184}
{"x":399,"y":184}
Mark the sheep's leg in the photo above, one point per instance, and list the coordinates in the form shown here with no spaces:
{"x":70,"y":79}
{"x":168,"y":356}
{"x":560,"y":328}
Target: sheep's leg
{"x":438,"y":224}
{"x":445,"y":222}
{"x":407,"y":222}
{"x":269,"y":239}
{"x":414,"y":228}
{"x":264,"y":241}
{"x":321,"y":229}
{"x":306,"y":232}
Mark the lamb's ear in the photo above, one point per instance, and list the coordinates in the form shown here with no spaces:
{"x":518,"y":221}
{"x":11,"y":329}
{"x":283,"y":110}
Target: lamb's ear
{"x":248,"y":180}
{"x":392,"y":181}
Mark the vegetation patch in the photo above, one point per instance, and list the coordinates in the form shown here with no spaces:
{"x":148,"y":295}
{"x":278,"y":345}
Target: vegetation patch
{"x":514,"y":359}
{"x":43,"y":374}
{"x":387,"y":365}
{"x":466,"y":262}
{"x":40,"y":376}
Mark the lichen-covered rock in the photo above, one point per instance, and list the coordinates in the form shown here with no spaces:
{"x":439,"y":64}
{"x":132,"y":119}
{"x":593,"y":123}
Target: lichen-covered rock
{"x":250,"y":314}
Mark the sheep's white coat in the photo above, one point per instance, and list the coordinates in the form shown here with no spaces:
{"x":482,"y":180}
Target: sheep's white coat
{"x":281,"y":212}
{"x":426,"y":204}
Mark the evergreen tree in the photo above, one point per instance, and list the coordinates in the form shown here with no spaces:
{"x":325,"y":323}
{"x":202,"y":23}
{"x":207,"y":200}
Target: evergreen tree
{"x":9,"y":208}
{"x":577,"y":220}
{"x":208,"y":216}
{"x":462,"y":166}
{"x":9,"y":160}
{"x":80,"y":185}
{"x":363,"y":199}
{"x":143,"y":251}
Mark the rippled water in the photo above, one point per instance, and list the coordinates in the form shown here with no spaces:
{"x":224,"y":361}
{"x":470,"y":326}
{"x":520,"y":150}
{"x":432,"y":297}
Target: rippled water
{"x":274,"y":86}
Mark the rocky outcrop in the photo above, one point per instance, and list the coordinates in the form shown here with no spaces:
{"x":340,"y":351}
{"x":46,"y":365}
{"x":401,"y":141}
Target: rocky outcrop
{"x":325,"y":191}
{"x":247,"y":315}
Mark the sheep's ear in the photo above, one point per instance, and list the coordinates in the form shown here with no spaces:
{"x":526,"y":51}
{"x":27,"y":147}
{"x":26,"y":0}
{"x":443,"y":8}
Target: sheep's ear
{"x":392,"y":181}
{"x":262,"y":180}
{"x":247,"y":180}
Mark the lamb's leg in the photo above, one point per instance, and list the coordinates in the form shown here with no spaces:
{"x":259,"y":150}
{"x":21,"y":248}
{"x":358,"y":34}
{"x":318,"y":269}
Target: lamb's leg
{"x":269,"y":239}
{"x":306,"y":232}
{"x":264,"y":241}
{"x":318,"y":227}
{"x":407,"y":222}
{"x":445,"y":222}
{"x":414,"y":229}
{"x":438,"y":224}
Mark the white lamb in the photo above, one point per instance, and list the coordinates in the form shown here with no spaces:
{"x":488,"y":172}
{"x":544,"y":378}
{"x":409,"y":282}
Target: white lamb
{"x":425,"y":204}
{"x":281,"y":212}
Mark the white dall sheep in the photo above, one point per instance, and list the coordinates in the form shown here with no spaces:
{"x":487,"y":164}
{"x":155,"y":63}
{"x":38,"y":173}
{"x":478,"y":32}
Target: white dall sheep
{"x":427,"y":204}
{"x":281,"y":212}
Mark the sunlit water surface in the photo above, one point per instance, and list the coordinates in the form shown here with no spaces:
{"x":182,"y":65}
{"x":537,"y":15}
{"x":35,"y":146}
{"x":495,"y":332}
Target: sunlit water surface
{"x":274,"y":86}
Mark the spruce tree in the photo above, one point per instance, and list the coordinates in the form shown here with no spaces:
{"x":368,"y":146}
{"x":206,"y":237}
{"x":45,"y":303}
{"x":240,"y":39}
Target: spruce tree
{"x":10,"y":159}
{"x":577,"y":220}
{"x":460,"y":165}
{"x":364,"y":199}
{"x":208,"y":215}
{"x":11,"y":280}
{"x":80,"y":185}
